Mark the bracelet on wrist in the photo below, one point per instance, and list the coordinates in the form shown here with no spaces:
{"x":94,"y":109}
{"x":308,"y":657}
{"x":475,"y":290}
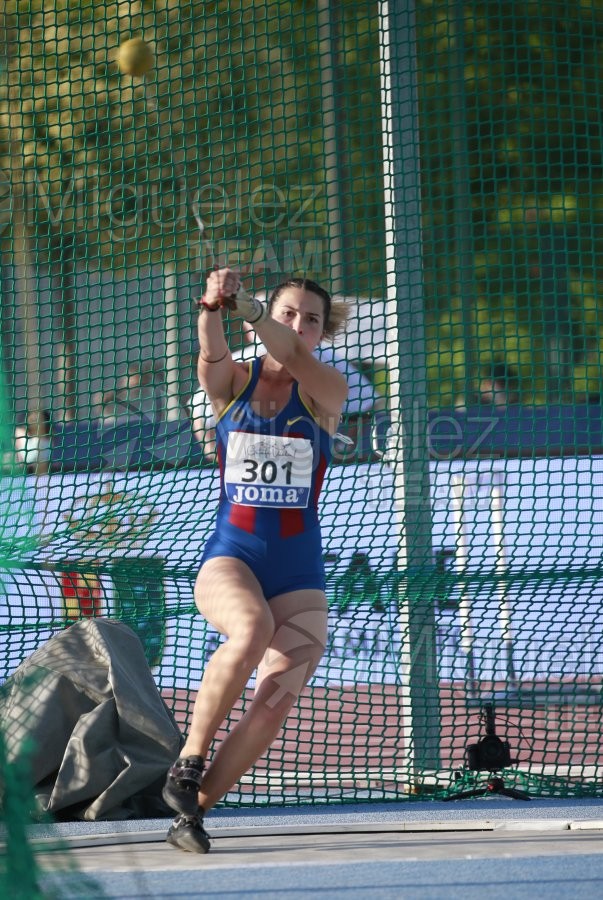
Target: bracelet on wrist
{"x":203,"y":304}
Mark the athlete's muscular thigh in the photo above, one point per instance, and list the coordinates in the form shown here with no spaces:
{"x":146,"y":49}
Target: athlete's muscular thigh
{"x":300,"y":635}
{"x":229,"y":596}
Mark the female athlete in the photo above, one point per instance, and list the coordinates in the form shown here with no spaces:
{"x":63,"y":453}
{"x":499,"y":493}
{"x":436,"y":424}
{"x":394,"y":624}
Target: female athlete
{"x":261,"y":582}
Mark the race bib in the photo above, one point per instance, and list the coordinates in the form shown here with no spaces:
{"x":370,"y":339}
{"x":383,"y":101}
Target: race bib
{"x":264,"y":470}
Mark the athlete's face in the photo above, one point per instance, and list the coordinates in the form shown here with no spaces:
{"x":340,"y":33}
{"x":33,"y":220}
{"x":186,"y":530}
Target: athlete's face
{"x":302,"y":311}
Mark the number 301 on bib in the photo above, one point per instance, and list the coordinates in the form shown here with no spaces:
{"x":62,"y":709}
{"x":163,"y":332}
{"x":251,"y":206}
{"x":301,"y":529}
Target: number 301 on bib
{"x":268,"y":470}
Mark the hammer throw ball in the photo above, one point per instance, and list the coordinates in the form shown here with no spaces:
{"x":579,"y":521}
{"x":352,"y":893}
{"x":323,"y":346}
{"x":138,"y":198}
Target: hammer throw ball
{"x":135,"y":57}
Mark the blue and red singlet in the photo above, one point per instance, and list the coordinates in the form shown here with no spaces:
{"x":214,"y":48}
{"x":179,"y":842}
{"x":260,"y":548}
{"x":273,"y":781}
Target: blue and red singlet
{"x":271,"y":473}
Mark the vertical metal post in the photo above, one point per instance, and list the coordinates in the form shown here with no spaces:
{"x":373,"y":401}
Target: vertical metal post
{"x":23,"y":252}
{"x":497,"y":520}
{"x":458,"y":504}
{"x":332,"y":140}
{"x":406,"y":352}
{"x":65,"y":366}
{"x":462,"y":223}
{"x":172,"y":347}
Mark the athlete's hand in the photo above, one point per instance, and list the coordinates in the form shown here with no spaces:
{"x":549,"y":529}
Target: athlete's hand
{"x":221,"y":289}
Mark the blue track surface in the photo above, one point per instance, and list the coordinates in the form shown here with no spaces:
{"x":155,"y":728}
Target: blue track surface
{"x":486,"y":848}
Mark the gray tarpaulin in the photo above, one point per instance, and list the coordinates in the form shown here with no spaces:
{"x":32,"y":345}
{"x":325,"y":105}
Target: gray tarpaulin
{"x":86,"y":708}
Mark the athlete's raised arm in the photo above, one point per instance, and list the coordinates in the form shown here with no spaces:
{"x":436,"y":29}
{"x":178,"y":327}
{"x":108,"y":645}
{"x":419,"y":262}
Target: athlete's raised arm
{"x":298,"y":315}
{"x":215,"y":365}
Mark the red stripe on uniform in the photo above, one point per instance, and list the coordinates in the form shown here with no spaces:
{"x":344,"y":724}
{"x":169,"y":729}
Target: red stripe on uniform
{"x":243,"y":517}
{"x":292,"y":522}
{"x":321,"y":468}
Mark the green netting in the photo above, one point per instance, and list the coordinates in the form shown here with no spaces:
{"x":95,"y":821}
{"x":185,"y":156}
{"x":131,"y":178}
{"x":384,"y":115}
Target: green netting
{"x":34,"y":867}
{"x":439,"y":165}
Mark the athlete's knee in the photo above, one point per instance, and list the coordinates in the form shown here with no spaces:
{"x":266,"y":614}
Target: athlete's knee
{"x":278,"y":692}
{"x":283,"y":676}
{"x":273,"y":701}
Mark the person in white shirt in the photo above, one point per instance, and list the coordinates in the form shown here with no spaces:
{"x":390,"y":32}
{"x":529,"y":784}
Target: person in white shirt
{"x":33,"y":441}
{"x":362,"y":395}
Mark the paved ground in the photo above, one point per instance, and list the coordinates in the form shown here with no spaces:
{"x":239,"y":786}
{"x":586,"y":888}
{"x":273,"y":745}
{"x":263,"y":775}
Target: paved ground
{"x":492,"y":848}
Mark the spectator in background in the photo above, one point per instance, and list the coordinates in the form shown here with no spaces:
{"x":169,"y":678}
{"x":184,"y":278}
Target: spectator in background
{"x":362,"y":395}
{"x":499,"y":386}
{"x":33,"y":441}
{"x":139,"y":394}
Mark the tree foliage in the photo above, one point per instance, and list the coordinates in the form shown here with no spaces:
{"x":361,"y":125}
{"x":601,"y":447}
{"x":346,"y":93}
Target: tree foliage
{"x":118,"y":162}
{"x":230,"y":123}
{"x":512,"y":91}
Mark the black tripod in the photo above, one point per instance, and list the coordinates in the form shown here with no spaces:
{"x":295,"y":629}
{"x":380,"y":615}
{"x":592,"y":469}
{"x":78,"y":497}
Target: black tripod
{"x":488,"y":755}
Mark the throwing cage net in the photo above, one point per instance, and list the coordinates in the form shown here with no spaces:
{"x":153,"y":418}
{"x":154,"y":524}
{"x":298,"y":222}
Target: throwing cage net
{"x":439,"y":166}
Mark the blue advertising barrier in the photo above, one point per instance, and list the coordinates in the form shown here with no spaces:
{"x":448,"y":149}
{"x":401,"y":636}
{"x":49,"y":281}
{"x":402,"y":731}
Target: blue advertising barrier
{"x":452,"y":434}
{"x":515,"y":431}
{"x":138,"y":444}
